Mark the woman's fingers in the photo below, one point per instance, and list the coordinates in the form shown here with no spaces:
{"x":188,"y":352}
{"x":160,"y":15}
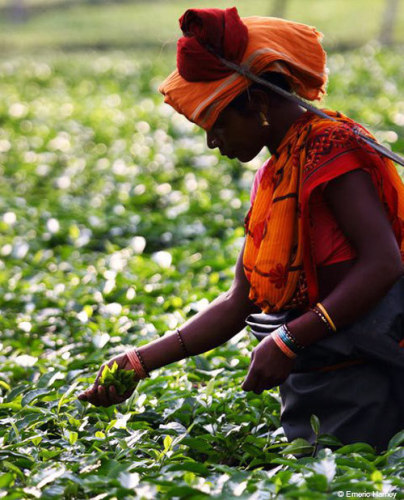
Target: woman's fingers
{"x":91,"y":396}
{"x":258,"y":385}
{"x":101,"y":396}
{"x":251,"y":380}
{"x":109,"y":396}
{"x":257,"y":382}
{"x":265,"y":385}
{"x":95,"y":395}
{"x":116,"y":398}
{"x":269,"y":367}
{"x":87,"y":395}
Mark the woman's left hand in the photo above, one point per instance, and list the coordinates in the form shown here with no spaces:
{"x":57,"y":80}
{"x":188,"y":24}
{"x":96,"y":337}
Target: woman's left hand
{"x":269,"y":367}
{"x":99,"y":395}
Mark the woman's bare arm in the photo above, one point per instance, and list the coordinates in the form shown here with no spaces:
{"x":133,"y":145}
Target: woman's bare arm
{"x":214,"y":326}
{"x":219,"y":322}
{"x":360,"y":215}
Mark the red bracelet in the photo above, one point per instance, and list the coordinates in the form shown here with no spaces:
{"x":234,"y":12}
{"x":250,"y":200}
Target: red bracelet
{"x":136,"y":361}
{"x":282,"y":346}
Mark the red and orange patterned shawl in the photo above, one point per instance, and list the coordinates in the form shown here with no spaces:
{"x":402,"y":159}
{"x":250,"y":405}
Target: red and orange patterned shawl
{"x":278,"y":258}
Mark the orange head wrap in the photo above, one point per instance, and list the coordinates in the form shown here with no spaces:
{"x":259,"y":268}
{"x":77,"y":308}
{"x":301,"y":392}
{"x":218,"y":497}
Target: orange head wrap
{"x":270,"y":44}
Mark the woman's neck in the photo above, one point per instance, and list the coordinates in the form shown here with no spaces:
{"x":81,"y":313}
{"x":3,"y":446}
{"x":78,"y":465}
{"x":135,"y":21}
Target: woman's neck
{"x":281,"y":119}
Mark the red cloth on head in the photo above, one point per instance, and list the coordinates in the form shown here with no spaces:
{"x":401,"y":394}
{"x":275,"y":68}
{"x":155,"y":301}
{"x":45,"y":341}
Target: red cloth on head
{"x":220,"y":30}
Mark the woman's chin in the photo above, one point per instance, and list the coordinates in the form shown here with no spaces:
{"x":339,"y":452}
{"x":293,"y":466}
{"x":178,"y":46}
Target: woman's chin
{"x":245,"y":157}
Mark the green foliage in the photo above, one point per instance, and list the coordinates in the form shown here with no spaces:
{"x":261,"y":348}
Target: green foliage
{"x":122,"y":380}
{"x":117,"y":224}
{"x":77,"y":24}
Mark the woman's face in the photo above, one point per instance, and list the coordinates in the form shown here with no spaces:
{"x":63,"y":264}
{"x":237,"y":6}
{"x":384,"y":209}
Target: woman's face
{"x":237,"y":135}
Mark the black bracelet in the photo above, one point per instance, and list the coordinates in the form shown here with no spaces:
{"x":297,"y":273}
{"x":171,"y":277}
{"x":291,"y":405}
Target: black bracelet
{"x":292,"y":338}
{"x":141,"y":361}
{"x":319,"y":314}
{"x":182,"y":343}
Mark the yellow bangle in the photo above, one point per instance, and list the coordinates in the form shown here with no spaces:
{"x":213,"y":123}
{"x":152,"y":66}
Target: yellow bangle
{"x":324,"y":311}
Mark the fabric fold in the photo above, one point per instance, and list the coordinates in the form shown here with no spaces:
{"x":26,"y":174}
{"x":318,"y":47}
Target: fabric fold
{"x":208,"y":32}
{"x":277,"y":45}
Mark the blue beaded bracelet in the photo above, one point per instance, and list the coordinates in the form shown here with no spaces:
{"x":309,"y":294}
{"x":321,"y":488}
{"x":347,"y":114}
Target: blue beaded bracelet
{"x":289,"y":339}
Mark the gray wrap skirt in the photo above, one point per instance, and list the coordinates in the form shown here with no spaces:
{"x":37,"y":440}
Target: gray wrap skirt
{"x":353,"y":381}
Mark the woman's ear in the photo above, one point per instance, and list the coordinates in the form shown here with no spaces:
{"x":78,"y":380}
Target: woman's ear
{"x":259,"y":101}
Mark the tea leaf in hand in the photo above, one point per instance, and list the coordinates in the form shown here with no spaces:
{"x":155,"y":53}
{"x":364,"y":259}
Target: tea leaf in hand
{"x":122,"y":380}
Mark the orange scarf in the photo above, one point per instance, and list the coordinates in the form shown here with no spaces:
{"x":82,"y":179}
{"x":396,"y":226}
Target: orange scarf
{"x":286,"y":47}
{"x":277,"y":258}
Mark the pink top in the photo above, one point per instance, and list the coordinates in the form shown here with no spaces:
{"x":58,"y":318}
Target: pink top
{"x":329,"y":243}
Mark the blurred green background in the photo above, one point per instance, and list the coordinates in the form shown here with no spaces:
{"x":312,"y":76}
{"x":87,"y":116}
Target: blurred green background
{"x":31,"y":25}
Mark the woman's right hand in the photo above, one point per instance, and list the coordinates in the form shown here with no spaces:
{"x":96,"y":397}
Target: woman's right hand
{"x":98,"y":395}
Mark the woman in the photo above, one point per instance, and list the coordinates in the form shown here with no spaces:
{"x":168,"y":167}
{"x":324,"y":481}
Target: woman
{"x":324,"y":235}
